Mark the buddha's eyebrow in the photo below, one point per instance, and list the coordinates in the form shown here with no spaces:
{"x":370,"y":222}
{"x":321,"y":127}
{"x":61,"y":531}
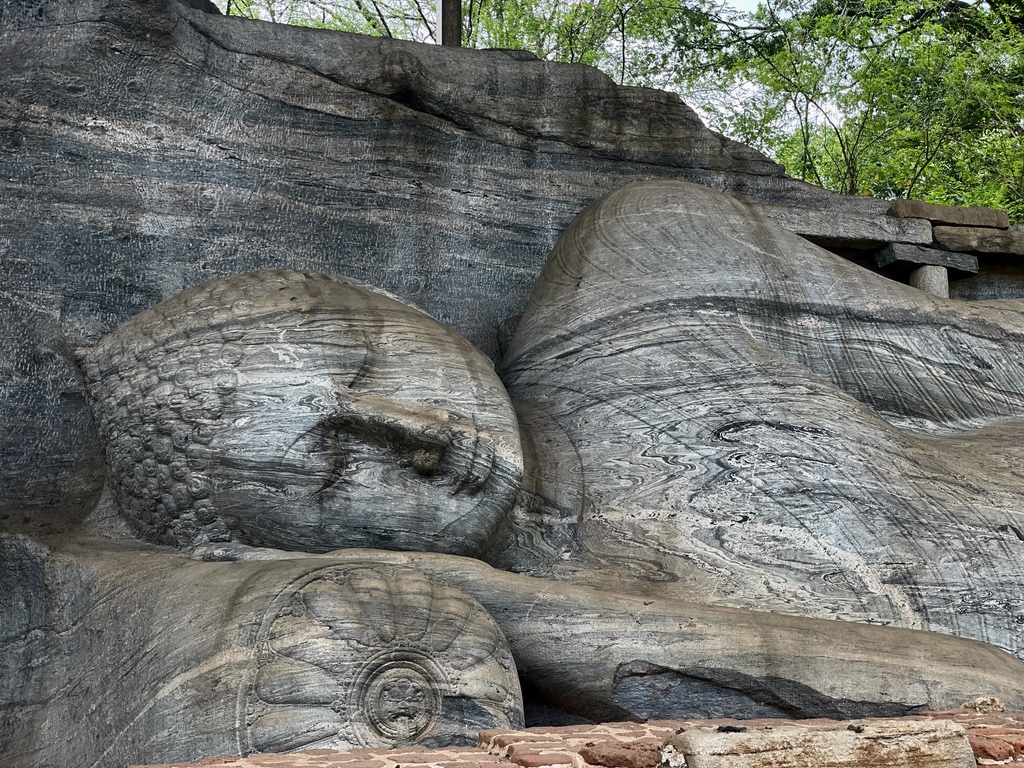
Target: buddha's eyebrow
{"x":369,"y":355}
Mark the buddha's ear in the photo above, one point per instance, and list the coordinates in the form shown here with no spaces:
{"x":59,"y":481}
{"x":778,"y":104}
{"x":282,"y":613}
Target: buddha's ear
{"x":80,"y":359}
{"x":105,"y":518}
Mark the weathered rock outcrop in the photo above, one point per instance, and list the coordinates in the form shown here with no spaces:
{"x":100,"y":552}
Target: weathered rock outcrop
{"x":721,"y":409}
{"x":146,"y":146}
{"x":115,"y":655}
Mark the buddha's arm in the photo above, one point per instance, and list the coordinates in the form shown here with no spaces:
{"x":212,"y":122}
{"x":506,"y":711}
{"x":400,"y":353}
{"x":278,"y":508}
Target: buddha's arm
{"x":596,"y":652}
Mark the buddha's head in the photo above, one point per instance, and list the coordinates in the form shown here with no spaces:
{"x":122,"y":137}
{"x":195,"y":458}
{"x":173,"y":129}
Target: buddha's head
{"x":297,"y":411}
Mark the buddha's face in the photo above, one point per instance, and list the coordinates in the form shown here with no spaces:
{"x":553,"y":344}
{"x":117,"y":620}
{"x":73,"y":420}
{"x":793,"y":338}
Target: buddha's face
{"x":305,"y":413}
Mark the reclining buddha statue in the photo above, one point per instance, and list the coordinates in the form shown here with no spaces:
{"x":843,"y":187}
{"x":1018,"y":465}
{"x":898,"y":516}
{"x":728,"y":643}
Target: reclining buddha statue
{"x":723,"y":473}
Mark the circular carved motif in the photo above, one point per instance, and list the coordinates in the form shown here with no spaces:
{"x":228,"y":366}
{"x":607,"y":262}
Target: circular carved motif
{"x":401,"y":701}
{"x":372,"y":655}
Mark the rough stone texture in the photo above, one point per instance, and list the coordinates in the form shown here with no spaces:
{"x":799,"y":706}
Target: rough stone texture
{"x":605,"y":655}
{"x":720,"y":409}
{"x":932,"y":280}
{"x":852,"y":229}
{"x":356,"y":758}
{"x":169,"y":674}
{"x":980,"y":240}
{"x":642,"y":646}
{"x":141,"y":655}
{"x":146,"y":147}
{"x":859,"y":744}
{"x":288,"y":409}
{"x":639,"y":754}
{"x":898,"y":254}
{"x":974,"y":216}
{"x":995,"y":737}
{"x":999,"y":277}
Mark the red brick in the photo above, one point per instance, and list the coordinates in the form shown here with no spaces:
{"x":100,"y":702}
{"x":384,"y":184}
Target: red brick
{"x":535,"y":746}
{"x":540,"y":759}
{"x":990,"y":749}
{"x":522,"y":740}
{"x":644,"y":753}
{"x":569,"y":730}
{"x":318,"y":752}
{"x":492,"y":733}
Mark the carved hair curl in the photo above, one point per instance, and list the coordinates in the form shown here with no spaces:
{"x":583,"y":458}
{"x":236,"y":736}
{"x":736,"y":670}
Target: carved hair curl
{"x":158,"y":386}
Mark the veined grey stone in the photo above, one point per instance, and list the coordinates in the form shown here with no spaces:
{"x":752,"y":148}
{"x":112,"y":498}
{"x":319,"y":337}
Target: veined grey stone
{"x":608,"y":655}
{"x":731,"y":425}
{"x":202,"y":401}
{"x":294,"y":410}
{"x":138,"y":655}
{"x":149,"y":147}
{"x":723,"y":409}
{"x":851,"y":229}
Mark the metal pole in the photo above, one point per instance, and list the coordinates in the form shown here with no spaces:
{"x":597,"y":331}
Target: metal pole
{"x":450,"y":22}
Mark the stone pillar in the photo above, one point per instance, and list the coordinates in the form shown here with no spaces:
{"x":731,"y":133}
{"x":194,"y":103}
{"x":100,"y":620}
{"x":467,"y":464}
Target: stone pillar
{"x":449,"y":22}
{"x":931,"y":279}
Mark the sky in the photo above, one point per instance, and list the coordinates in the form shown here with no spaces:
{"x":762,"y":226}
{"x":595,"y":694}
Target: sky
{"x":744,"y":5}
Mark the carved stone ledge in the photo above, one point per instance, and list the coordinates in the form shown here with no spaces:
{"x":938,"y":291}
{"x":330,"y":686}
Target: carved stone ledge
{"x":974,"y":216}
{"x":980,"y":240}
{"x":912,"y":256}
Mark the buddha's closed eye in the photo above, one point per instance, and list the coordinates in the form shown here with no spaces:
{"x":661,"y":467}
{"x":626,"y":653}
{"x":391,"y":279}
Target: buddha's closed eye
{"x":436,"y":444}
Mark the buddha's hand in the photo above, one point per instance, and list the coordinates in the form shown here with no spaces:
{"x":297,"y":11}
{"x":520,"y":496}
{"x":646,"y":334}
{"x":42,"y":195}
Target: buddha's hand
{"x":438,"y":444}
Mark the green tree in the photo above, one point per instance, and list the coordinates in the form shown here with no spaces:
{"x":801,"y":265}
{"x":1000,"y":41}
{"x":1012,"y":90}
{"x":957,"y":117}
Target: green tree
{"x":881,"y":97}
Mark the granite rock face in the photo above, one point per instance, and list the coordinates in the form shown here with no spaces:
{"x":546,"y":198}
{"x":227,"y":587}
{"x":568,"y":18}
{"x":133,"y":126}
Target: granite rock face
{"x":912,"y":256}
{"x":729,"y":437}
{"x":146,"y":147}
{"x":721,"y":410}
{"x":256,"y":420}
{"x":292,"y":410}
{"x":131,"y":655}
{"x":607,"y":655}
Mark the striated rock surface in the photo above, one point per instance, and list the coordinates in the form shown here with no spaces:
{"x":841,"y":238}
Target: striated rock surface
{"x":861,"y":227}
{"x":293,"y":410}
{"x":146,"y":146}
{"x":724,"y":411}
{"x":908,"y":256}
{"x":607,"y":655}
{"x":132,"y":654}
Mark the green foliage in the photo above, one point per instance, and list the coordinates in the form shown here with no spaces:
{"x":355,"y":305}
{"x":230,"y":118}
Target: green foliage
{"x":891,"y":98}
{"x":884,"y":97}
